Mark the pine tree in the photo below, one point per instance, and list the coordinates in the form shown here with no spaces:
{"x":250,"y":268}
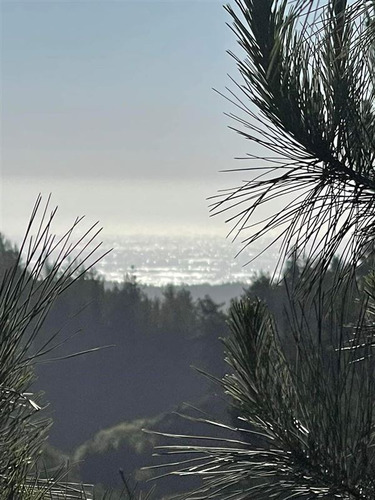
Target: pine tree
{"x":304,"y":397}
{"x":43,"y":268}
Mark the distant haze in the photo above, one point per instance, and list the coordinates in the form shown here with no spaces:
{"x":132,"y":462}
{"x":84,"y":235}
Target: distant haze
{"x":109,"y":106}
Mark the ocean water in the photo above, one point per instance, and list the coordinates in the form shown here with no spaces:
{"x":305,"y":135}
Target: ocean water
{"x":190,"y":260}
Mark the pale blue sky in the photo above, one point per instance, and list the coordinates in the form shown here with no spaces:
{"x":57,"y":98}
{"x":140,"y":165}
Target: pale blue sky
{"x":109,"y":105}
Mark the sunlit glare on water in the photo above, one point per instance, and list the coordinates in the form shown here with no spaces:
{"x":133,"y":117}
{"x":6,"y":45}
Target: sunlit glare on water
{"x":160,"y":260}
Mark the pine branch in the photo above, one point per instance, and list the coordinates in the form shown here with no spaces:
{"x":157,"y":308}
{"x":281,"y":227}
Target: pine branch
{"x":308,"y":71}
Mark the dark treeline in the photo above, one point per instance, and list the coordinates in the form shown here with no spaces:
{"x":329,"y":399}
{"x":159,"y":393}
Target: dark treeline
{"x":142,"y":369}
{"x":146,"y":370}
{"x":147,"y":367}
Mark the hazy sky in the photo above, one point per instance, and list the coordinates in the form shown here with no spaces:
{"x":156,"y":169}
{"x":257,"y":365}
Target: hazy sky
{"x":109,"y":105}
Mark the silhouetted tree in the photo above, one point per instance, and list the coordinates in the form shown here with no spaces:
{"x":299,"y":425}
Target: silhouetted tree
{"x":28,"y":290}
{"x":308,"y":394}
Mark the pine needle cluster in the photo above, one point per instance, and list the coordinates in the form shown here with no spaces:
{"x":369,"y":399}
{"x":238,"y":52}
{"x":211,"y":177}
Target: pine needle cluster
{"x":304,"y":394}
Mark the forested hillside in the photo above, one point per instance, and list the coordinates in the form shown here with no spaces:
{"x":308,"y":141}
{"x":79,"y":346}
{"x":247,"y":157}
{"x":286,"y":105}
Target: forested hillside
{"x":142,"y":371}
{"x":101,"y":400}
{"x":145,"y":370}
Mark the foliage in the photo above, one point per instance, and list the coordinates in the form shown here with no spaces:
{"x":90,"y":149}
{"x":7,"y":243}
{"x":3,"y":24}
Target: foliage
{"x":142,"y":329}
{"x":309,"y":71}
{"x":305,"y":404}
{"x":303,"y":389}
{"x":129,"y":433}
{"x":146,"y":372}
{"x":28,"y":290}
{"x":304,"y":393}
